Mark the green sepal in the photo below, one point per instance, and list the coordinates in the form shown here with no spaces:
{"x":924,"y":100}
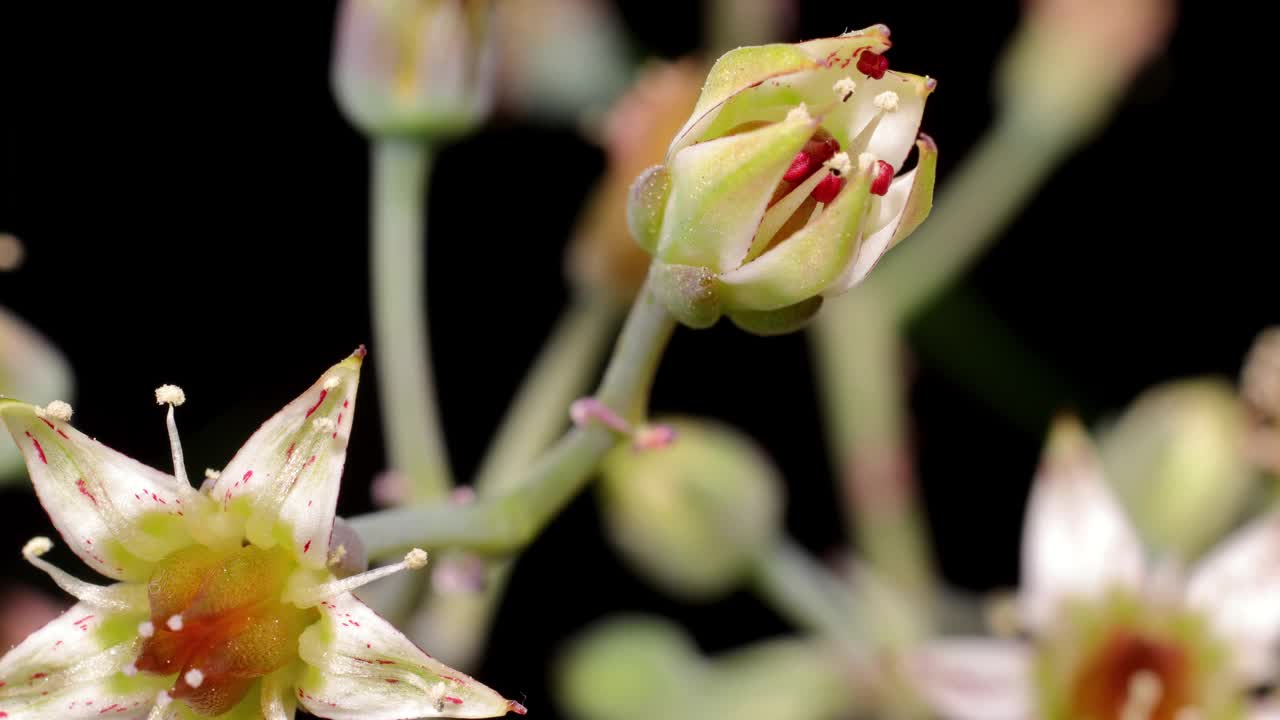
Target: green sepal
{"x":720,"y":190}
{"x":688,"y":292}
{"x":645,"y":204}
{"x":777,"y":322}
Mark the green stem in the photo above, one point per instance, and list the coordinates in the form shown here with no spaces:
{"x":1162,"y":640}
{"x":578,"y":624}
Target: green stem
{"x":979,"y":199}
{"x":561,"y":374}
{"x":455,"y":625}
{"x":859,"y":358}
{"x":510,"y":521}
{"x":809,"y":597}
{"x":402,"y":357}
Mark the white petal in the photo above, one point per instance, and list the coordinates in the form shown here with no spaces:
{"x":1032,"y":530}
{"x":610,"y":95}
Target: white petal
{"x":1238,"y":586}
{"x":362,"y":668}
{"x":277,"y":697}
{"x":1077,"y":541}
{"x":117,"y":514}
{"x":974,"y":679}
{"x":71,"y":669}
{"x":289,"y":472}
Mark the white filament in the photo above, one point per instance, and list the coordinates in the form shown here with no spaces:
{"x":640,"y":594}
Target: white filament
{"x":311,"y":595}
{"x":112,"y":597}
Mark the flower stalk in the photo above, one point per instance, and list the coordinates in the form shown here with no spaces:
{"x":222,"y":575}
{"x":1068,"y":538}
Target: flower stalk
{"x":511,"y":520}
{"x":415,"y":440}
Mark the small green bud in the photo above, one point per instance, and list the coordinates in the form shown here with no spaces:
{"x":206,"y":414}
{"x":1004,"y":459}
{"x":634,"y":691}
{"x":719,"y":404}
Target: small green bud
{"x":627,"y":668}
{"x":781,"y":183}
{"x":693,"y":516}
{"x":1177,"y":459}
{"x":414,"y":67}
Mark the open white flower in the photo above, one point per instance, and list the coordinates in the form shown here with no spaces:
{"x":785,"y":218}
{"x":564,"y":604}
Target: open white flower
{"x":226,"y":604}
{"x":1112,"y":637}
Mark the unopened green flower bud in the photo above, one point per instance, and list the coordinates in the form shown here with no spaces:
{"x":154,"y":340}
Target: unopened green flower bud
{"x":1177,"y":459}
{"x":628,"y":668}
{"x":694,"y":515}
{"x":781,"y":185}
{"x":781,"y":678}
{"x":414,"y":67}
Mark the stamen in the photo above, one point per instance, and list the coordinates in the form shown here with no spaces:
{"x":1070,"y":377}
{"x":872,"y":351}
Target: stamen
{"x":174,"y":623}
{"x":338,"y":555}
{"x":194,"y":677}
{"x":883,"y":179}
{"x":844,"y":88}
{"x":872,"y":65}
{"x":146,"y":629}
{"x":799,"y":113}
{"x":777,"y":216}
{"x":305,"y":596}
{"x":839,"y":164}
{"x":827,"y":190}
{"x":887,"y":101}
{"x":113,"y":597}
{"x":170,"y":395}
{"x":173,"y":396}
{"x":56,"y":410}
{"x":211,"y":474}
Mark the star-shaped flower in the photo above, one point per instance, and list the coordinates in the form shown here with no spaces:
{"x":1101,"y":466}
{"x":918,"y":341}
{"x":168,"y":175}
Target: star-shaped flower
{"x":226,"y":603}
{"x":1111,"y":636}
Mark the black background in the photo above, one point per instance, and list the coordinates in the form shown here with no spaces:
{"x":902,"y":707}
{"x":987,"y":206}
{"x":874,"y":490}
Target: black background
{"x":194,"y":210}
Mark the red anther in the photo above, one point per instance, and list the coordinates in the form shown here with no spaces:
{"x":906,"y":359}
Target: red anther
{"x":827,"y":190}
{"x":800,"y":168}
{"x":884,"y":176}
{"x":872,"y":65}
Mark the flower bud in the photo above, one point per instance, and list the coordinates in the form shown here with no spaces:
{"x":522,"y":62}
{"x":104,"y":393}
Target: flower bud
{"x":30,"y":367}
{"x":627,"y":668}
{"x":1071,"y":59}
{"x":692,"y":516}
{"x":781,"y":183}
{"x":603,"y":255}
{"x":414,"y":67}
{"x":1177,"y":459}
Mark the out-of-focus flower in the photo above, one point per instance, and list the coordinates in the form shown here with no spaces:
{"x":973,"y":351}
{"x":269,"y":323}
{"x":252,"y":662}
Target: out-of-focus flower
{"x":1072,"y":59}
{"x":1260,"y":378}
{"x":31,"y":367}
{"x":225,"y":602}
{"x":1110,"y":635}
{"x":603,"y":256}
{"x":560,"y":59}
{"x":780,"y":187}
{"x":693,"y":515}
{"x":1178,"y":461}
{"x":414,"y":67}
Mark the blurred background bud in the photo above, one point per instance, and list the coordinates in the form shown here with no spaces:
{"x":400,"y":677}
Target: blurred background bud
{"x":11,"y":252}
{"x":31,"y":369}
{"x":733,"y":23}
{"x":23,"y":611}
{"x":640,"y":668}
{"x":1177,"y":459}
{"x":627,"y":667}
{"x":635,"y":135}
{"x":1071,"y":59}
{"x":693,"y":516}
{"x":560,"y":60}
{"x":1260,"y":378}
{"x":414,"y":67}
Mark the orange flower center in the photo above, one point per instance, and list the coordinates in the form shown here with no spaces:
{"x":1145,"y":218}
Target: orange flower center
{"x":1132,"y":675}
{"x":217,"y":620}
